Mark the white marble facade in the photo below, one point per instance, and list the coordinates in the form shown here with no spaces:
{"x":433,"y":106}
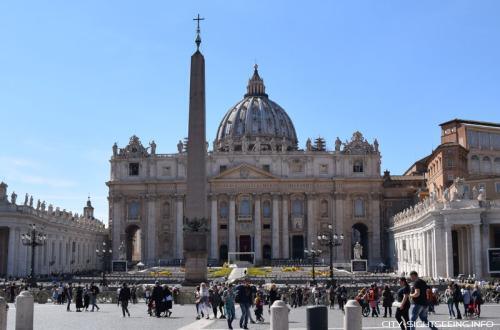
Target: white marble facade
{"x":71,"y":243}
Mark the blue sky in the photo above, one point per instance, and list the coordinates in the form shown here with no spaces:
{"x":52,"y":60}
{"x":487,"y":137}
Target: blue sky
{"x":76,"y":76}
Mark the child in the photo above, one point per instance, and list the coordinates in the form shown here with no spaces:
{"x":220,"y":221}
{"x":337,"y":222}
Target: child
{"x":259,"y":308}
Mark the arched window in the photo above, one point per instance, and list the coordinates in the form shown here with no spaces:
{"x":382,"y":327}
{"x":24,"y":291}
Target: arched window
{"x":298,"y":207}
{"x":324,"y":208}
{"x":358,"y":166}
{"x":133,"y":210}
{"x":359,"y":207}
{"x":474,"y":163}
{"x":486,"y":165}
{"x":166,"y":210}
{"x":266,"y":209}
{"x":244,"y":209}
{"x":223,"y":209}
{"x":497,"y":165}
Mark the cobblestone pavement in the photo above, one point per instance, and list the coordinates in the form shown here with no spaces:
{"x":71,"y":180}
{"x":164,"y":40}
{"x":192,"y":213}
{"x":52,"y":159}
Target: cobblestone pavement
{"x":55,"y":317}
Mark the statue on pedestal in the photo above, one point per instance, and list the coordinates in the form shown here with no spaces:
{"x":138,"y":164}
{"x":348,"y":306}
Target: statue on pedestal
{"x":13,"y":197}
{"x":338,"y":143}
{"x":152,"y":144}
{"x":358,"y":251}
{"x":122,"y":254}
{"x":180,"y":146}
{"x":26,"y":199}
{"x":115,"y":150}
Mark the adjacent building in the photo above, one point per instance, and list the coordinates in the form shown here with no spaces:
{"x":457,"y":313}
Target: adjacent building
{"x":71,"y":240}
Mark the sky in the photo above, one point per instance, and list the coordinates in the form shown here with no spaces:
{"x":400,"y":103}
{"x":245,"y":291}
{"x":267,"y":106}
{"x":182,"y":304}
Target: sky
{"x":77,"y":76}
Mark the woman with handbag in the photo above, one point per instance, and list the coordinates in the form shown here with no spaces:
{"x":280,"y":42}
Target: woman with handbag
{"x":403,"y":303}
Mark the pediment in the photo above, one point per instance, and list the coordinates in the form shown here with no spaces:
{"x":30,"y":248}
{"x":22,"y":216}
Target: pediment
{"x":244,"y":172}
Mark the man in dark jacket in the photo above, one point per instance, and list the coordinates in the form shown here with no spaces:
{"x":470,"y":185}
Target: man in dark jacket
{"x":157,"y":296}
{"x":244,"y":297}
{"x":124,"y":297}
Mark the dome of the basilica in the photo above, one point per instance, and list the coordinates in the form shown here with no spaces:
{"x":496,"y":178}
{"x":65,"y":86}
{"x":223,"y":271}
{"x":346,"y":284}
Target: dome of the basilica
{"x":256,"y":123}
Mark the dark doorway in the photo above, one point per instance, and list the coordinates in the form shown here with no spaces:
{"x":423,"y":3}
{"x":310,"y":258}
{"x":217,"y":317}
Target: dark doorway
{"x":223,"y":253}
{"x":133,"y":243}
{"x":298,"y":247}
{"x":360,"y":234}
{"x":4,"y":250}
{"x":246,"y":246}
{"x":266,"y":253}
{"x":456,"y":259}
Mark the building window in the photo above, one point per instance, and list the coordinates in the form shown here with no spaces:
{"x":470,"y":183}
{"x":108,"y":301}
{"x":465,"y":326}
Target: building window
{"x":223,"y":226}
{"x":266,"y":226}
{"x":358,"y":166}
{"x":324,"y":208}
{"x":449,"y":162}
{"x":297,"y":207}
{"x":133,"y":169}
{"x":297,"y":166}
{"x":323,"y":169}
{"x":359,"y":207}
{"x":222,"y":168}
{"x":166,"y":210}
{"x":244,"y":209}
{"x":497,"y":187}
{"x":497,"y":165}
{"x":266,"y":168}
{"x":133,"y":210}
{"x":167,"y":171}
{"x":450,"y":177}
{"x":223,"y":209}
{"x":486,"y":165}
{"x":474,"y":166}
{"x":266,"y":209}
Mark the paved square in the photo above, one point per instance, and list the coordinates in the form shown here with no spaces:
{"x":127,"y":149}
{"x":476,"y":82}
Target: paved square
{"x":55,"y":317}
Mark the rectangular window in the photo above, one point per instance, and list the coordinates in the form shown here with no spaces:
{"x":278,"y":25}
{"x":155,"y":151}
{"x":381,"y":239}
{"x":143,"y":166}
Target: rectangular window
{"x":497,"y":187}
{"x":323,"y":168}
{"x":266,"y":168}
{"x":266,"y":226}
{"x":223,"y":226}
{"x":451,"y":177}
{"x":449,"y":162}
{"x":357,"y":167}
{"x":133,"y":169}
{"x":222,"y":168}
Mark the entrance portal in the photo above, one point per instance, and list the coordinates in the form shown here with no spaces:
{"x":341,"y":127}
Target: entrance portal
{"x":298,"y":247}
{"x":245,"y":246}
{"x":133,"y":243}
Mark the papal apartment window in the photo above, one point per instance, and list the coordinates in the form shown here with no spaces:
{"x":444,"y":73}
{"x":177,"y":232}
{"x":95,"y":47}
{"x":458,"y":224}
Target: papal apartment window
{"x":222,"y":168}
{"x":357,"y":167}
{"x":133,"y":169}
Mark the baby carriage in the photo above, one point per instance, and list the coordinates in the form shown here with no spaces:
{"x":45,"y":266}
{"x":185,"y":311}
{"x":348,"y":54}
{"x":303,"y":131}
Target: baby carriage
{"x":472,"y":309}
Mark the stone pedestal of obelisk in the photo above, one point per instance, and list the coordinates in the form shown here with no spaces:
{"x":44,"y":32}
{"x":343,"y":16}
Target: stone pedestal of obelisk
{"x":195,"y":236}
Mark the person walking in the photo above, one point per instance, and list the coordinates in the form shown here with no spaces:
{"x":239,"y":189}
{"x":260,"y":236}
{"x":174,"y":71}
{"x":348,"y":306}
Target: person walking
{"x":243,"y":297}
{"x":372,"y":300}
{"x":215,"y":299}
{"x":420,"y":304}
{"x":86,"y":297}
{"x":448,"y":295}
{"x":167,"y":293}
{"x":457,"y":298}
{"x":124,"y":299}
{"x":229,"y":300}
{"x":477,"y":298}
{"x":94,"y":291}
{"x":273,"y":296}
{"x":403,"y":296}
{"x":68,"y":292}
{"x":157,"y":297}
{"x":466,"y":299}
{"x":387,"y":300}
{"x":204,"y":300}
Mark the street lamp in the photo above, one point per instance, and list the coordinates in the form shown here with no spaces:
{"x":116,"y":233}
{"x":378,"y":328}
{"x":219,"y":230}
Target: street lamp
{"x":102,"y":254}
{"x":331,"y":239}
{"x":313,"y":253}
{"x":33,"y":239}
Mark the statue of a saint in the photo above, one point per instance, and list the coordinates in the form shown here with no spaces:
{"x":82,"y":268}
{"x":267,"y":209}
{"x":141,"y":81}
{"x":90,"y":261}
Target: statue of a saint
{"x":338,"y":143}
{"x":358,"y":251}
{"x":375,"y":145}
{"x":152,"y":144}
{"x":26,"y":197}
{"x":31,"y":201}
{"x":43,"y":205}
{"x":244,"y":144}
{"x":180,"y":146}
{"x":122,"y":255}
{"x":115,"y":150}
{"x":13,"y":197}
{"x":308,"y":145}
{"x":38,"y":204}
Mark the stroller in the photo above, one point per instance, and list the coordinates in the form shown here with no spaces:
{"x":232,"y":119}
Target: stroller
{"x":472,"y":309}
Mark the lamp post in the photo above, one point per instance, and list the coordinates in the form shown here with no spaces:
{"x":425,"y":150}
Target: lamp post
{"x":33,"y":238}
{"x":102,"y":254}
{"x":331,"y":239}
{"x":313,"y":253}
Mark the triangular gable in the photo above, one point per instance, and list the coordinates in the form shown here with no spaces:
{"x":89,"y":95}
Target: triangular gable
{"x":244,"y":171}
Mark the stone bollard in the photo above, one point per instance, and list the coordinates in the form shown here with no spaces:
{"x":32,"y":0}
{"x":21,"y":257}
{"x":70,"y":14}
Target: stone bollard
{"x":3,"y":314}
{"x":279,"y":315}
{"x":317,"y":318}
{"x":353,"y":317}
{"x":24,"y":311}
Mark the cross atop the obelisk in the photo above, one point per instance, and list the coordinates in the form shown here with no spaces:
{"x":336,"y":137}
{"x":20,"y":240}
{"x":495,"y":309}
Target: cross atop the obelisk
{"x":198,"y":38}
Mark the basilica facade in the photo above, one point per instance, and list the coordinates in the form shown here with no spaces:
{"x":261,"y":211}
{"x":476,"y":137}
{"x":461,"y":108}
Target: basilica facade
{"x":265,"y":194}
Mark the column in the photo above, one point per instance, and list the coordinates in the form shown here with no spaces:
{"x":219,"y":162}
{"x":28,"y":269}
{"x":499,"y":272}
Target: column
{"x":179,"y":226}
{"x":151,"y":230}
{"x":470,"y":246}
{"x":423,"y":254}
{"x":257,"y":242}
{"x":285,"y":234}
{"x":428,"y":251}
{"x":339,"y":223}
{"x":11,"y":257}
{"x":448,"y":250}
{"x":276,"y":228}
{"x":476,"y":239}
{"x":118,"y":218}
{"x":375,"y":211}
{"x":232,"y":224}
{"x":214,"y":237}
{"x":311,"y":219}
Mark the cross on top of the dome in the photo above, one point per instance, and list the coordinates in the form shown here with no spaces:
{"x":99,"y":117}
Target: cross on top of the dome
{"x":256,"y":84}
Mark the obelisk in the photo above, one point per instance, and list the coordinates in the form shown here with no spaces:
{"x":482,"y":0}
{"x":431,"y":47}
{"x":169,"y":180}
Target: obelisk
{"x":195,"y":236}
